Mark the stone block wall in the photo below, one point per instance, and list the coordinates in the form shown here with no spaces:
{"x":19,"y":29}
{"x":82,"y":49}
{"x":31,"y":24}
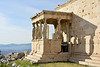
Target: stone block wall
{"x":47,"y":50}
{"x":46,"y":46}
{"x":85,"y":27}
{"x":52,"y":46}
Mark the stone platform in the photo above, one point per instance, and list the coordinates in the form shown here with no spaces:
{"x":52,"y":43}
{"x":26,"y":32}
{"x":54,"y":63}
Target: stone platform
{"x":49,"y":57}
{"x":47,"y":50}
{"x":82,"y":58}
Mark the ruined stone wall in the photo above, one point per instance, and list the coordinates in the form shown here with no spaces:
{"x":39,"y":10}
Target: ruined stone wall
{"x":85,"y":27}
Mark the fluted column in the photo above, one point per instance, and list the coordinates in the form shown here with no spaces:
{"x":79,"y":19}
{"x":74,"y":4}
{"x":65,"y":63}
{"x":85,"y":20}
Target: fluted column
{"x":33,"y":31}
{"x":44,"y":29}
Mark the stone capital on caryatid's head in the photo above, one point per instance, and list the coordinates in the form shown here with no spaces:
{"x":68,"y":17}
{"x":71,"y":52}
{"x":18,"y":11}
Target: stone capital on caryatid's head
{"x":33,"y":25}
{"x":37,"y":24}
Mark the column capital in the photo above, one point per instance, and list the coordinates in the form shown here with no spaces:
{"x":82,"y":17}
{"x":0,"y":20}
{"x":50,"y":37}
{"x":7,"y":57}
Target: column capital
{"x":40,"y":21}
{"x":44,"y":20}
{"x":59,"y":20}
{"x":36,"y":23}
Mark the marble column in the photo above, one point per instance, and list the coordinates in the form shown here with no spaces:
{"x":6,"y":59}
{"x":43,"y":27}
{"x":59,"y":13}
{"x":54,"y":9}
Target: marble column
{"x":44,"y":29}
{"x":33,"y":31}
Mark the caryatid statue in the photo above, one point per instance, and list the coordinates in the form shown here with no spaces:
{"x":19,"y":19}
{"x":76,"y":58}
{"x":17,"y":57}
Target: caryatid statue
{"x":37,"y":30}
{"x":33,"y":31}
{"x":40,"y":30}
{"x":44,"y":29}
{"x":59,"y":29}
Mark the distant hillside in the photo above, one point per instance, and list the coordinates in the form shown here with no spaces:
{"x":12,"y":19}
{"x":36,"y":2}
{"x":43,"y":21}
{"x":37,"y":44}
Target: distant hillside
{"x":8,"y":48}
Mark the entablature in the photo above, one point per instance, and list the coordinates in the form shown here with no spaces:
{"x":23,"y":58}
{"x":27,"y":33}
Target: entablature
{"x":51,"y":15}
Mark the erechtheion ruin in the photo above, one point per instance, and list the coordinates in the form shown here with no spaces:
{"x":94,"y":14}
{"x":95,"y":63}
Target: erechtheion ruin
{"x":76,"y":36}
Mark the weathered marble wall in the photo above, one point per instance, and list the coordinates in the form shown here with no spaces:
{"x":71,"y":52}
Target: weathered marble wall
{"x":85,"y":27}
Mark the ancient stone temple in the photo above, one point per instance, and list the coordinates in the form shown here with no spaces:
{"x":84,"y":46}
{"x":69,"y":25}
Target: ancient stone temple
{"x":76,"y":36}
{"x":43,"y":48}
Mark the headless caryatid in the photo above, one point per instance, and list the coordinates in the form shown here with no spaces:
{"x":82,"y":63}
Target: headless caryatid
{"x":45,"y":29}
{"x":33,"y":32}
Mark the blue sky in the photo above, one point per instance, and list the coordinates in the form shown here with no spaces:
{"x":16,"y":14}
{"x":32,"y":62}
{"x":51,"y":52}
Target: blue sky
{"x":15,"y":23}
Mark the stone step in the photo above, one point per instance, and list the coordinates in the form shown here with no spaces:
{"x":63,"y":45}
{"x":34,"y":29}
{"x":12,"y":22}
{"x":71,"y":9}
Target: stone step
{"x":86,"y":62}
{"x":31,"y":59}
{"x":38,"y":55}
{"x":78,"y":53}
{"x":92,"y":61}
{"x":33,"y":56}
{"x":78,"y":61}
{"x":78,"y":58}
{"x":81,"y":56}
{"x":83,"y":62}
{"x":95,"y":58}
{"x":84,"y":54}
{"x":94,"y":55}
{"x":94,"y":64}
{"x":43,"y":60}
{"x":89,"y":64}
{"x":73,"y":60}
{"x":88,"y":57}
